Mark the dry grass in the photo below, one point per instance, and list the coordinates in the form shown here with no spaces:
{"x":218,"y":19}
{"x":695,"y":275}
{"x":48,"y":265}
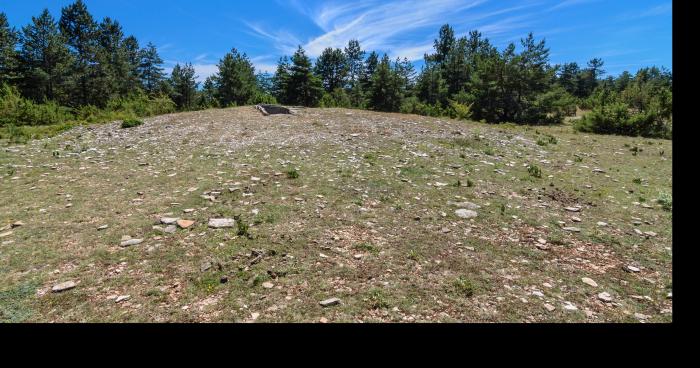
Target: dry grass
{"x":365,"y":219}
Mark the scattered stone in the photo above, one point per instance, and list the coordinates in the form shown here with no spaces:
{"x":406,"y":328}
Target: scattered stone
{"x":64,"y":286}
{"x":572,"y":229}
{"x":323,"y":320}
{"x":569,"y":306}
{"x":103,"y":227}
{"x":222,"y":223}
{"x":641,"y":316}
{"x":589,"y":281}
{"x":170,"y":229}
{"x":5,"y":234}
{"x":188,"y":210}
{"x":465,"y":213}
{"x":329,"y":302}
{"x":17,"y":224}
{"x":122,"y":298}
{"x":575,"y":219}
{"x":602,"y":224}
{"x":573,"y":209}
{"x":549,"y":307}
{"x":466,"y":205}
{"x":650,"y":234}
{"x":254,"y":315}
{"x":631,"y":268}
{"x":168,"y":220}
{"x":605,"y":296}
{"x":184,"y":224}
{"x":205,"y":266}
{"x":130,"y":242}
{"x":268,"y":285}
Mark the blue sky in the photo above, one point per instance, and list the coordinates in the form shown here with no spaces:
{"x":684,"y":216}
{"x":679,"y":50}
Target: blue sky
{"x":626,"y":34}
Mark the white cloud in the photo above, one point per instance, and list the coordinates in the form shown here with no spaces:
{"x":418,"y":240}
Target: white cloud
{"x":651,"y":12}
{"x":568,"y":3}
{"x":391,"y":27}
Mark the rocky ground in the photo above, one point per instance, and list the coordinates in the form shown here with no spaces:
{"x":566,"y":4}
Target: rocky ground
{"x":334,"y":215}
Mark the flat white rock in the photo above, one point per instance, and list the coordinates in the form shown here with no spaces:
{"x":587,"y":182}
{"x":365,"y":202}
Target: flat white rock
{"x":221,"y":223}
{"x":465,"y":213}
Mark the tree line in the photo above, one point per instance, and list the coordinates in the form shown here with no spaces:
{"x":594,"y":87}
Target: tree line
{"x":76,"y":65}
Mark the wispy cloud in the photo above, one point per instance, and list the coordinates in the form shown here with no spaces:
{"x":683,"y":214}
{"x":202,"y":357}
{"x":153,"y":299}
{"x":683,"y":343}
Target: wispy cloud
{"x":284,"y":41}
{"x":651,"y":12}
{"x":396,"y":27}
{"x":568,"y":3}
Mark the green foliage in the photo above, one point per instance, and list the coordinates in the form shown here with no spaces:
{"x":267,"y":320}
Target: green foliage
{"x":292,"y":174}
{"x":460,"y":111}
{"x":184,"y":86}
{"x":235,"y":81}
{"x":386,"y":92}
{"x":338,"y":98}
{"x":464,"y":286}
{"x":666,"y":201}
{"x":332,"y":68}
{"x":377,"y":299}
{"x":534,"y":171}
{"x":617,"y":118}
{"x":17,"y":110}
{"x":130,"y":123}
{"x":295,"y":83}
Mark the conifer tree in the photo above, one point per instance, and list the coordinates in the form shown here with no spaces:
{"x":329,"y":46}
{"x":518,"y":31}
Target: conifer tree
{"x":8,"y":55}
{"x":150,"y":69}
{"x":184,"y":86}
{"x":385,"y":93}
{"x":303,"y":87}
{"x":80,"y":31}
{"x":280,"y":80}
{"x":235,"y":81}
{"x":45,"y":59}
{"x":332,"y":68}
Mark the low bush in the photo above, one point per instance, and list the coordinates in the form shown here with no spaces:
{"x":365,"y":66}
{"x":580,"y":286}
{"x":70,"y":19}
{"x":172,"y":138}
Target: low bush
{"x":130,"y":123}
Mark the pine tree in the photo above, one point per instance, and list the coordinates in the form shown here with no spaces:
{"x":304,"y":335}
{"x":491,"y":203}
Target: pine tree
{"x":568,"y":77}
{"x":133,"y":59}
{"x":80,"y":31}
{"x":235,"y":81}
{"x":45,"y":59}
{"x":332,"y":68}
{"x":303,"y":87}
{"x":369,"y":69}
{"x":184,"y":86}
{"x":431,"y":87}
{"x":407,"y":74}
{"x":280,"y":80}
{"x":443,"y":45}
{"x":265,"y":82}
{"x":112,"y":70}
{"x":385,"y":93}
{"x":150,"y":70}
{"x":354,"y":56}
{"x":207,"y":98}
{"x":8,"y":55}
{"x":455,"y":67}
